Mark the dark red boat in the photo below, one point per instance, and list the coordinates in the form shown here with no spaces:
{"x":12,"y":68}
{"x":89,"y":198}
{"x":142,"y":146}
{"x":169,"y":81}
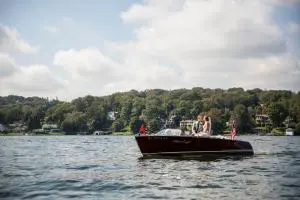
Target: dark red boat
{"x":175,"y":144}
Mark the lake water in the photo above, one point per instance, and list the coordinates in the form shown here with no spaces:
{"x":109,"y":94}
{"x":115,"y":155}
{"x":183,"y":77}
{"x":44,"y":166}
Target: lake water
{"x":108,"y":167}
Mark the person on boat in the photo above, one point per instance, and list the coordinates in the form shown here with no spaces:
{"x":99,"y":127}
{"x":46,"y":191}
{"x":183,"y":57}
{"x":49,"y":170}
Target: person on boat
{"x":198,"y":125}
{"x":142,"y":130}
{"x":206,"y":126}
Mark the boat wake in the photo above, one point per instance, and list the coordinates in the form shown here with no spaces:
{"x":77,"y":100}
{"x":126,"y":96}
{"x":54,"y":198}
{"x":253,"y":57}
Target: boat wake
{"x":282,"y":153}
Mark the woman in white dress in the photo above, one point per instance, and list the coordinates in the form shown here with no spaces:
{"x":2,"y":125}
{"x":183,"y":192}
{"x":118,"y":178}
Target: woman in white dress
{"x":206,"y":126}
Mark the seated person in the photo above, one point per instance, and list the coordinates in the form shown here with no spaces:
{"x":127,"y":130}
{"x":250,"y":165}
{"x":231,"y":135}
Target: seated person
{"x":198,"y":125}
{"x":206,"y":126}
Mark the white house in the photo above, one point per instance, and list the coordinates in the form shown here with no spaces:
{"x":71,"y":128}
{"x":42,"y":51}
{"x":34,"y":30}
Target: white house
{"x":111,"y":115}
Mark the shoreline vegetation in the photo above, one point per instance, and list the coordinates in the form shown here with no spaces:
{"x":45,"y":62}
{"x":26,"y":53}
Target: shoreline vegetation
{"x":33,"y":134}
{"x":225,"y":133}
{"x":256,"y":111}
{"x":274,"y":132}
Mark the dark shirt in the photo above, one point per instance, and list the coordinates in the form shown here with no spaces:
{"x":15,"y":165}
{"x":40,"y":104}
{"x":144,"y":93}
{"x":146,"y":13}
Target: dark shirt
{"x":198,"y":127}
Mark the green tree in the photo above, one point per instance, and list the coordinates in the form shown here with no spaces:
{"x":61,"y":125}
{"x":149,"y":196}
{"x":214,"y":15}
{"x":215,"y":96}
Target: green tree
{"x":154,"y":110}
{"x":243,"y":120}
{"x":117,"y":125}
{"x":197,"y":108}
{"x":97,"y":114}
{"x":219,"y":119}
{"x":33,"y":121}
{"x":57,"y":113}
{"x":154,"y":106}
{"x":277,"y":113}
{"x":80,"y":105}
{"x":137,"y":107}
{"x":297,"y":129}
{"x":74,"y":122}
{"x":13,"y":113}
{"x":2,"y":116}
{"x":126,"y":112}
{"x":154,"y":125}
{"x":294,"y":109}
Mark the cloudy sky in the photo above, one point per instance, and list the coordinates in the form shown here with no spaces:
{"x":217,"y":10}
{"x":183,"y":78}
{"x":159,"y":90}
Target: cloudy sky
{"x":72,"y":48}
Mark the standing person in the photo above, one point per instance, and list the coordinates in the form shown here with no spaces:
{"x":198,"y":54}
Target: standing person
{"x":198,"y":125}
{"x":233,"y":130}
{"x":142,"y":130}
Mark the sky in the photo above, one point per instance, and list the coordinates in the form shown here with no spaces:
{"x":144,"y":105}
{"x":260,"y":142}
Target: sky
{"x":73,"y":48}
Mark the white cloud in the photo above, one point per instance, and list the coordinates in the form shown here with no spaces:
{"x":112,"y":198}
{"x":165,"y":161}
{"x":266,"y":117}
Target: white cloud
{"x":11,"y":41}
{"x":181,"y":43}
{"x":89,"y":62}
{"x":207,"y":43}
{"x":51,"y":29}
{"x":7,"y":65}
{"x":35,"y":78}
{"x":27,"y":80}
{"x":274,"y":72}
{"x":209,"y":28}
{"x":88,"y":71}
{"x":152,"y":9}
{"x":189,"y":43}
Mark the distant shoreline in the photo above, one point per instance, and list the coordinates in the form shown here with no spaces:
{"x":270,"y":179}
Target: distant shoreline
{"x":130,"y":134}
{"x":33,"y":134}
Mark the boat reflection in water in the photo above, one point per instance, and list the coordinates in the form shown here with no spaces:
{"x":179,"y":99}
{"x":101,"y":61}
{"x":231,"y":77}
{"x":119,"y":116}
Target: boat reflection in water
{"x":171,"y":143}
{"x":200,"y":158}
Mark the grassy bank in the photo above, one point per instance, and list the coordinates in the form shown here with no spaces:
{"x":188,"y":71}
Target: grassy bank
{"x":31,"y":134}
{"x":278,"y":131}
{"x":13,"y":134}
{"x":122,"y":133}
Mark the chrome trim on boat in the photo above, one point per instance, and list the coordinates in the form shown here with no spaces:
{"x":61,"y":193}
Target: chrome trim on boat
{"x":194,"y":152}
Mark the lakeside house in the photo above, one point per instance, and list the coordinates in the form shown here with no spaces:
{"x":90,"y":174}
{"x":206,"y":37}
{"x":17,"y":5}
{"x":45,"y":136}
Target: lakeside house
{"x":17,"y":127}
{"x":111,"y":115}
{"x":48,"y":127}
{"x":102,"y":132}
{"x":186,"y":124}
{"x":263,"y":120}
{"x":289,"y":120}
{"x":170,"y":122}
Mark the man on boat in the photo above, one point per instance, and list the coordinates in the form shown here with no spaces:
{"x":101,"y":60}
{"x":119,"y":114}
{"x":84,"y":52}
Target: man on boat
{"x":202,"y":127}
{"x":198,"y":125}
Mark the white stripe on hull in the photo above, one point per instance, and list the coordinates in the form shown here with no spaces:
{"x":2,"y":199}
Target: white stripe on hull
{"x":202,"y":152}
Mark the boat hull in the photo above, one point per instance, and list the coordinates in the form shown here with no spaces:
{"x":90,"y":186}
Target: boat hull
{"x":190,"y":145}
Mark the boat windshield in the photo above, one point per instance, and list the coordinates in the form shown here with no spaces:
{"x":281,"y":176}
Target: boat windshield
{"x":169,"y":132}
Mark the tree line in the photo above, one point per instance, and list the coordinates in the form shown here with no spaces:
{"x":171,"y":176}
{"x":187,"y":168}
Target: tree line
{"x":154,"y":107}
